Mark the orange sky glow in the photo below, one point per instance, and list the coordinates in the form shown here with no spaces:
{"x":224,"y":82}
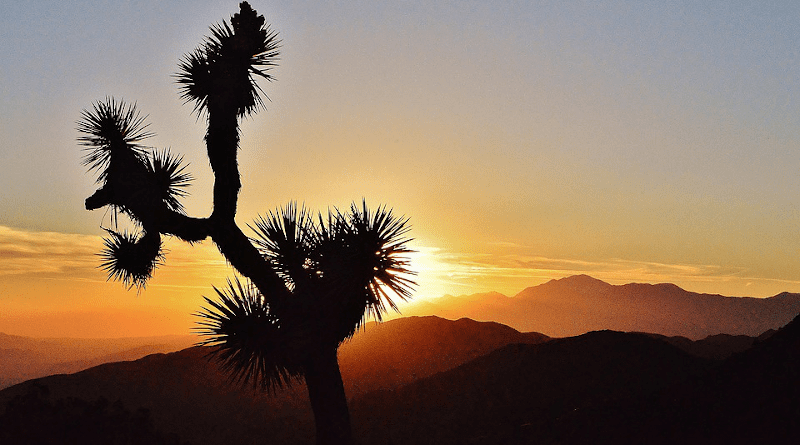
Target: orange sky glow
{"x":55,"y":288}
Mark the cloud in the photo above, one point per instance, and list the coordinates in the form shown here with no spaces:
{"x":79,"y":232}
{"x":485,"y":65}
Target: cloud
{"x":53,"y":255}
{"x":45,"y":253}
{"x":503,"y":267}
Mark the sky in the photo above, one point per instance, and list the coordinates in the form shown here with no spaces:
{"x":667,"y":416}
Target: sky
{"x":632,"y":141}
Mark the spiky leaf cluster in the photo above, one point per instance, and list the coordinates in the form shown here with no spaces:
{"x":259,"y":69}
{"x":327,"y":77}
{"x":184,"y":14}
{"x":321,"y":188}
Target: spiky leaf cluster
{"x":131,"y":258}
{"x":249,"y":341}
{"x":133,"y":177}
{"x":112,"y":130}
{"x":169,"y":178}
{"x":286,"y":239}
{"x":351,"y":263}
{"x":372,"y":247}
{"x":361,"y":258}
{"x":222,"y":70}
{"x":339,"y":269}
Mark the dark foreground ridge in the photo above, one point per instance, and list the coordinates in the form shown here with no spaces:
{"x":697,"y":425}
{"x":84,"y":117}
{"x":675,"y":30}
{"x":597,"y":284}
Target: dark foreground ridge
{"x":462,"y":381}
{"x":189,"y":396}
{"x":601,"y":387}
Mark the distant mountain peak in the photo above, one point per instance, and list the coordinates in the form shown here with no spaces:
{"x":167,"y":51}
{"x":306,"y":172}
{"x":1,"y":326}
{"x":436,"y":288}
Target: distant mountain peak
{"x":786,"y":295}
{"x":580,"y":303}
{"x":670,"y":287}
{"x":490,"y":294}
{"x":584,"y":281}
{"x":581,"y":279}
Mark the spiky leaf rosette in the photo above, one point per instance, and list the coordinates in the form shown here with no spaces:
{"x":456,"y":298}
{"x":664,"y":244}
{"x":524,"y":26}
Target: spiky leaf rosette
{"x":113,"y":130}
{"x":249,"y":341}
{"x":131,"y":258}
{"x":362,"y":260}
{"x":379,"y":240}
{"x":225,"y":66}
{"x":284,"y":238}
{"x":195,"y":79}
{"x":169,"y":178}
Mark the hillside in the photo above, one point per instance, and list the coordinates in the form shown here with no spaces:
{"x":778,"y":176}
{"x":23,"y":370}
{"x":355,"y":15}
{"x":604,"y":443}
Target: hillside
{"x":579,"y":304}
{"x":752,"y":397}
{"x":190,"y":397}
{"x":601,"y":387}
{"x":391,"y":354}
{"x":429,"y":380}
{"x":521,"y":388}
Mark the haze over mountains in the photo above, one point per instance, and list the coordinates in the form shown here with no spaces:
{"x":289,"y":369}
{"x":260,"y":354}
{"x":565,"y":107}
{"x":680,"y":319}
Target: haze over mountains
{"x":192,"y":398}
{"x":419,"y":380}
{"x":24,"y":358}
{"x":579,"y":304}
{"x":430,"y":380}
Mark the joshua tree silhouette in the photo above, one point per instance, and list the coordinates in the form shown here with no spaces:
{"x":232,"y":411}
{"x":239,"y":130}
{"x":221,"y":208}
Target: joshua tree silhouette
{"x":308,"y":281}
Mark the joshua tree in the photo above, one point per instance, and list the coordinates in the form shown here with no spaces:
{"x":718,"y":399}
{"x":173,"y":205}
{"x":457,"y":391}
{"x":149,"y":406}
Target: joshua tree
{"x":308,"y":280}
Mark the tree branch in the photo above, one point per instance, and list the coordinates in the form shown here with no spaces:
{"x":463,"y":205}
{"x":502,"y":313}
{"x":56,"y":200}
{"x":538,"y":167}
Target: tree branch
{"x":242,"y":255}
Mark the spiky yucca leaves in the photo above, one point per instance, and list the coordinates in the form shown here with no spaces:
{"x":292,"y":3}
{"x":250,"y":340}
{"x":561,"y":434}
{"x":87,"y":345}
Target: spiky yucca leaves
{"x":131,"y":258}
{"x":112,"y":135}
{"x":169,"y":178}
{"x":349,"y":265}
{"x":340,"y":270}
{"x":113,"y":130}
{"x":248,"y":340}
{"x":195,"y":79}
{"x":284,"y":238}
{"x":361,"y":256}
{"x":225,"y":66}
{"x":376,"y":242}
{"x":346,"y":266}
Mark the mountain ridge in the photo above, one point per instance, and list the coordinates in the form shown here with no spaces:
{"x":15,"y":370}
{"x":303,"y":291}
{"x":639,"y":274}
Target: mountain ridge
{"x":598,"y":387}
{"x":390,"y":355}
{"x":578,"y":304}
{"x":472,"y":382}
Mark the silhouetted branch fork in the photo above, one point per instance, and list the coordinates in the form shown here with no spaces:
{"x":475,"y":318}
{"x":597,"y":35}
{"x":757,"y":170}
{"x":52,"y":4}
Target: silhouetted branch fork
{"x":246,"y":259}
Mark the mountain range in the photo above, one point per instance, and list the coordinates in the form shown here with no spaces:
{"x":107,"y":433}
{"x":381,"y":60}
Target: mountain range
{"x":579,"y":304}
{"x":600,"y":387}
{"x":190,"y":397}
{"x":419,"y":380}
{"x":429,"y":380}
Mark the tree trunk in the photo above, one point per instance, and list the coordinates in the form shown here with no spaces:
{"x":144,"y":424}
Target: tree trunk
{"x":328,"y":400}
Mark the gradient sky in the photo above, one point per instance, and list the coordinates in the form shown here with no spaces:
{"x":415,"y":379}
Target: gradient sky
{"x":629,"y":140}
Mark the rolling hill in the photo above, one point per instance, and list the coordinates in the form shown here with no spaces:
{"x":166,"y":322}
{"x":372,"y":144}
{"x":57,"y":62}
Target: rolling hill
{"x":429,"y":380}
{"x":601,"y":387}
{"x":520,"y":389}
{"x":691,"y":368}
{"x":188,"y":396}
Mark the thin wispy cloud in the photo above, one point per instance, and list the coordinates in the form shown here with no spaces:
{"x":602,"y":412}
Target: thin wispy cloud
{"x":507,"y":268}
{"x":51,"y":255}
{"x":48,"y":253}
